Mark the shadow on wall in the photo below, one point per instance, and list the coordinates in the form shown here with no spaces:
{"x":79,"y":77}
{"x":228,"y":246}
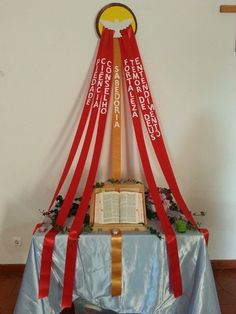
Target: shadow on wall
{"x":201,"y":166}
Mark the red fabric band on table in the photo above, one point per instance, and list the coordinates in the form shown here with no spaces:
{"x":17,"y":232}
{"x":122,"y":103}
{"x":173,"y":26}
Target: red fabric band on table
{"x":146,"y":104}
{"x":72,"y":244}
{"x":49,"y":238}
{"x":46,"y":260}
{"x":171,"y":242}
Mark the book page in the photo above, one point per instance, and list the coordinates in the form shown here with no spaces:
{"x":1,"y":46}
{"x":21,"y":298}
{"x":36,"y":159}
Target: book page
{"x":131,"y":207}
{"x":107,"y":207}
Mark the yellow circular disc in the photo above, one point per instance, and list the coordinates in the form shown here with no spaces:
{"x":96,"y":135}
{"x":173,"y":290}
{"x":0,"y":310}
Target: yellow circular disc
{"x":115,"y":11}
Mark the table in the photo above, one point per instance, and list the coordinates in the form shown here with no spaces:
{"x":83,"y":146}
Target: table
{"x":145,"y":275}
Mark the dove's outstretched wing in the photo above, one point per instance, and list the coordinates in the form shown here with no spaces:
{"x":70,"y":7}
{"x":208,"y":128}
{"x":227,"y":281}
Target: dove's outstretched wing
{"x":108,"y":24}
{"x":125,"y":23}
{"x":116,"y":26}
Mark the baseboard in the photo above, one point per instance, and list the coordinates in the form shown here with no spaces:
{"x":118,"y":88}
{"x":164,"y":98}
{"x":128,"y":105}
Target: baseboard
{"x":220,"y":264}
{"x":12,"y":268}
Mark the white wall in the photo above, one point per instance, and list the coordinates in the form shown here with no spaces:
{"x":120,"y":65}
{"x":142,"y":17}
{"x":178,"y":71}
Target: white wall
{"x":46,"y":48}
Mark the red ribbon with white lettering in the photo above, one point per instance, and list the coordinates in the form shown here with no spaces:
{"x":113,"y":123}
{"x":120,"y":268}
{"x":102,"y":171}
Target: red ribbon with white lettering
{"x":72,"y":243}
{"x":49,"y":239}
{"x":80,"y":129}
{"x":84,"y":116}
{"x":137,"y":74}
{"x":171,"y":242}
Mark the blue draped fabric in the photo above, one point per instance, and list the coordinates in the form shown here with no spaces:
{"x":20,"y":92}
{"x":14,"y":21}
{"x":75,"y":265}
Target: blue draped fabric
{"x":145,"y":277}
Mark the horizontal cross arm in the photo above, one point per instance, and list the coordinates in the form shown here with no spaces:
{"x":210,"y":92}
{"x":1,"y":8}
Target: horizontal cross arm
{"x":228,"y":8}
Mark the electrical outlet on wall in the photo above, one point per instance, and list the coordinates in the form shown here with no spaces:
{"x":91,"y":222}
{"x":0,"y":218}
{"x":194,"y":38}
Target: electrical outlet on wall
{"x":17,"y":241}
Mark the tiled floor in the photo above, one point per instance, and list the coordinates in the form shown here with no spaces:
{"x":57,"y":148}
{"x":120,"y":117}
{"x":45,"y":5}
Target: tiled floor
{"x":225,"y":284}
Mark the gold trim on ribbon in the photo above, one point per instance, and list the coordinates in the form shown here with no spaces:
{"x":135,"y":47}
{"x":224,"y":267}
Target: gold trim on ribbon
{"x":116,"y":263}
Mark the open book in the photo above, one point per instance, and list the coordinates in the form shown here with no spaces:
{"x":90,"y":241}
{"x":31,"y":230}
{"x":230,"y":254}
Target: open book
{"x":119,"y":207}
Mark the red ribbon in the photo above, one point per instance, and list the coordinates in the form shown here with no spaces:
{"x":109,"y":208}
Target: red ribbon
{"x":46,"y":263}
{"x":80,"y":129}
{"x":172,"y":249}
{"x":146,"y":104}
{"x":49,"y":238}
{"x":84,"y":116}
{"x":72,"y":244}
{"x":37,"y":227}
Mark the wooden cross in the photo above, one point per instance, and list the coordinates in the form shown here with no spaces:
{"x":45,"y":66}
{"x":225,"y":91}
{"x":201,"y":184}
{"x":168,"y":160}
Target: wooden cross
{"x":228,"y":9}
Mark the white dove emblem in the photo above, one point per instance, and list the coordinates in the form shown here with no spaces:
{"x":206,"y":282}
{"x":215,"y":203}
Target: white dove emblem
{"x":116,"y":26}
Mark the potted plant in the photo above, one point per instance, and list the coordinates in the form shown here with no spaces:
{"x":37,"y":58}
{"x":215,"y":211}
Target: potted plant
{"x":181,"y":225}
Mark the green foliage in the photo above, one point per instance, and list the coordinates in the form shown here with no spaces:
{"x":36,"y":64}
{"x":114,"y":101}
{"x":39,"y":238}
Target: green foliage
{"x":165,"y":194}
{"x":155,"y":232}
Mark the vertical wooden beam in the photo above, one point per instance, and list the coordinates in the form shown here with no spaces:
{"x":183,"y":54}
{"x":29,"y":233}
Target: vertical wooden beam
{"x":116,"y":113}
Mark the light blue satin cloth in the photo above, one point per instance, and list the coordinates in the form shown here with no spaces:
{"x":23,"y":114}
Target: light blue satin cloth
{"x":145,"y":278}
